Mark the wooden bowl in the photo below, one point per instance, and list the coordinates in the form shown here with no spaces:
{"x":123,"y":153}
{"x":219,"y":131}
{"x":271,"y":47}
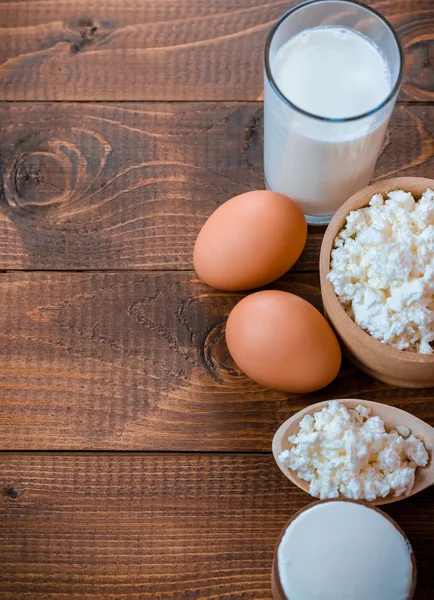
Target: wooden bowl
{"x":277,"y":590}
{"x":382,"y":361}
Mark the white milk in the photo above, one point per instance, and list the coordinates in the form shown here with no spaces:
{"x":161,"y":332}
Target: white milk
{"x":344,"y":551}
{"x":334,"y":73}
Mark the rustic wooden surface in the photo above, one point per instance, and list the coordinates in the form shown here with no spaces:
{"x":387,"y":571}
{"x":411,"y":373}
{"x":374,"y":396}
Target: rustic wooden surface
{"x":166,"y":49}
{"x":122,"y":359}
{"x":157,"y":527}
{"x":138,"y":361}
{"x":97,"y":186}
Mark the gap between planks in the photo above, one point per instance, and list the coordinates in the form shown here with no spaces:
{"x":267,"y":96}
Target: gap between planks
{"x":135,"y":452}
{"x":135,"y":101}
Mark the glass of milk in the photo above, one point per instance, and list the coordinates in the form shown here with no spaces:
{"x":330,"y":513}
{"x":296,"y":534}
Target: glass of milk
{"x":333,"y":69}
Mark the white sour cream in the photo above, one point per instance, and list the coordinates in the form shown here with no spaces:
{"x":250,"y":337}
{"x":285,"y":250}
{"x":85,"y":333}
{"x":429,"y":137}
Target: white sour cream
{"x":344,"y":551}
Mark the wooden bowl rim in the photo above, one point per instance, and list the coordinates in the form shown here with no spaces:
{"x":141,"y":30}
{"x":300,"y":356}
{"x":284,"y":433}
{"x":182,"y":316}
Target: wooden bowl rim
{"x":275,"y":571}
{"x":359,"y":200}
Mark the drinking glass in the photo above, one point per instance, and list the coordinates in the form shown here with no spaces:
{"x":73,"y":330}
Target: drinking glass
{"x":320,"y":162}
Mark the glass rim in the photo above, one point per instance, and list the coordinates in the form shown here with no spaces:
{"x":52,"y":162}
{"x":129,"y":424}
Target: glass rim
{"x":306,"y":113}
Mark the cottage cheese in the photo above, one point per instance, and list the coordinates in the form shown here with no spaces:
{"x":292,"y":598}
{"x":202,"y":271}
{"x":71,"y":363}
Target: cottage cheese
{"x":382,"y":269}
{"x":349,"y":453}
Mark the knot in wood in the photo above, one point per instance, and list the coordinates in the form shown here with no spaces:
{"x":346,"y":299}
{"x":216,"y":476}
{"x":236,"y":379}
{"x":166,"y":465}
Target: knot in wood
{"x":88,"y":35}
{"x":11,"y":492}
{"x":215,"y":354}
{"x":40,"y":172}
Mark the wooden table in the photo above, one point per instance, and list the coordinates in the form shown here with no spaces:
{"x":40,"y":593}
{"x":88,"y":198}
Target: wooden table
{"x":135,"y":456}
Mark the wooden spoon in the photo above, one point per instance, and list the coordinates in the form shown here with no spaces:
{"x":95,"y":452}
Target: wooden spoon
{"x":391,"y":416}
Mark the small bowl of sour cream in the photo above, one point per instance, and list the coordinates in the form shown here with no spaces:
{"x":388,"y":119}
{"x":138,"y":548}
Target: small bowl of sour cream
{"x":376,"y":271}
{"x":342,"y":549}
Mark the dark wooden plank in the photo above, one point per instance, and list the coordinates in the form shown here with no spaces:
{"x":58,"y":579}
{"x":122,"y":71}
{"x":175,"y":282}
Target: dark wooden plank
{"x":158,"y":527}
{"x":167,"y":49}
{"x":134,"y":361}
{"x":89,"y":186}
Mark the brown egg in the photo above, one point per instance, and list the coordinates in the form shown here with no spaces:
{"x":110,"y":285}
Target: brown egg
{"x":282,"y":342}
{"x":250,"y":241}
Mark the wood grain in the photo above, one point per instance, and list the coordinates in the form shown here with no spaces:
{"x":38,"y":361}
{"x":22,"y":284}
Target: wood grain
{"x":167,"y":50}
{"x":134,"y":361}
{"x":157,"y":527}
{"x":91,"y":186}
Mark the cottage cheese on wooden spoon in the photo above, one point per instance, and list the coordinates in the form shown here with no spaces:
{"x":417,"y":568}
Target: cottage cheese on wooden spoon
{"x":344,"y":452}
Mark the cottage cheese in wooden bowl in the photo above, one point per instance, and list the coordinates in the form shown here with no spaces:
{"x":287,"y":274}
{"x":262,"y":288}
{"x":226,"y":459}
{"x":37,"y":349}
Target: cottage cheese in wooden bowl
{"x":382,"y":269}
{"x":377,"y":280}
